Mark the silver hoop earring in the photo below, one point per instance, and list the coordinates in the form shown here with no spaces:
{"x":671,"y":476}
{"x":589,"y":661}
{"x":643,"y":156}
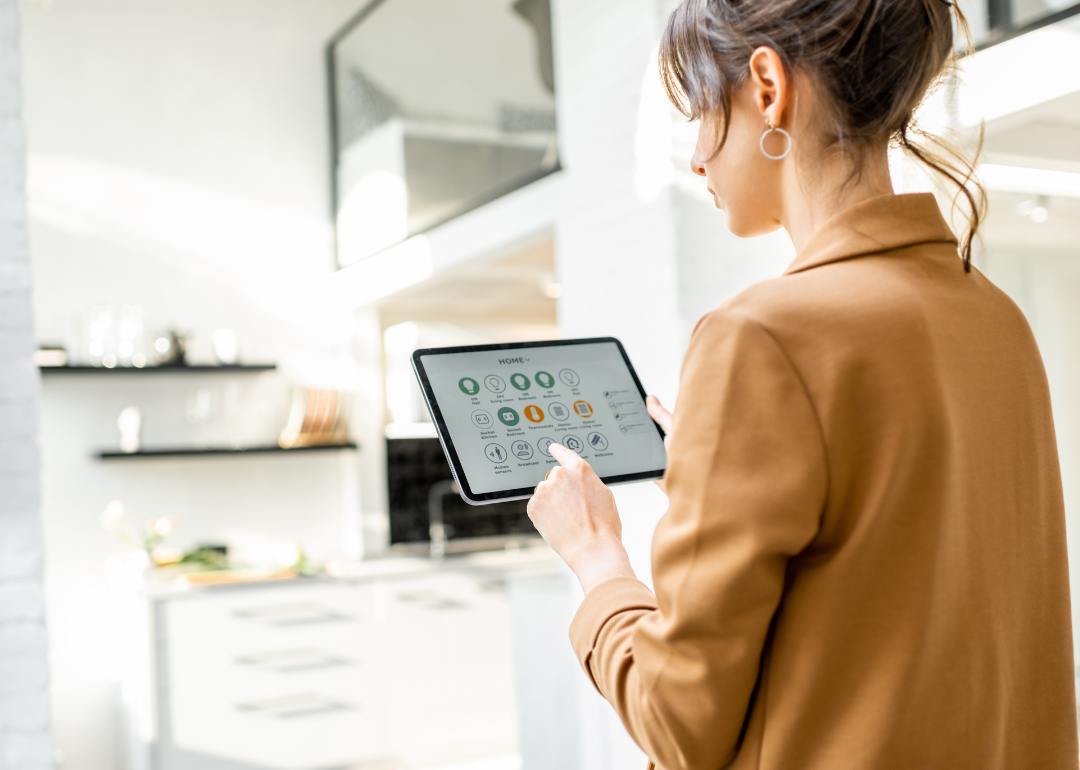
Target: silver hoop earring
{"x":773,"y":129}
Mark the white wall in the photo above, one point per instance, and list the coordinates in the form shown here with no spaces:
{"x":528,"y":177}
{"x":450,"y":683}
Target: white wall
{"x":1044,"y":280}
{"x":25,"y":743}
{"x":178,"y":160}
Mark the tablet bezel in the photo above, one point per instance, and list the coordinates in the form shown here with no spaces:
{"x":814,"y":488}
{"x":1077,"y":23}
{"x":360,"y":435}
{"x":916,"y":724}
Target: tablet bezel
{"x":521,"y":493}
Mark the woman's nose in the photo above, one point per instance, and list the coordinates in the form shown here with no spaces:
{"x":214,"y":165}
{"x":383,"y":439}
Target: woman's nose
{"x":696,"y":165}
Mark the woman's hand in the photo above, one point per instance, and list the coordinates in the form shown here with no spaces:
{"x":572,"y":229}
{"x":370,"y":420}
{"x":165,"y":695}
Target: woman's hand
{"x":576,"y":515}
{"x":666,"y":420}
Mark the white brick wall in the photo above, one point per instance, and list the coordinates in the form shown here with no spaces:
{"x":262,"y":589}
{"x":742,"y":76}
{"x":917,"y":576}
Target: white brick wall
{"x":25,"y":743}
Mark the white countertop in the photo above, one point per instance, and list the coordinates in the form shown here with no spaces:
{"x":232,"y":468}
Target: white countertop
{"x":529,"y":559}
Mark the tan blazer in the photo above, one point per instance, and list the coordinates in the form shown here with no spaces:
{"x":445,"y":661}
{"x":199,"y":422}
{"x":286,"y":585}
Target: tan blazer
{"x":863,"y":564}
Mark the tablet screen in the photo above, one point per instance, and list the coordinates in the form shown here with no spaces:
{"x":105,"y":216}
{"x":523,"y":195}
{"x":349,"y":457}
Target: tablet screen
{"x":503,"y":408}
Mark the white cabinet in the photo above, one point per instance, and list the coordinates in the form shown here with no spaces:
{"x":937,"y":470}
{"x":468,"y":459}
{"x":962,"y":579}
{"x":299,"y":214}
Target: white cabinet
{"x":398,"y":671}
{"x":448,"y":663}
{"x":277,"y":677}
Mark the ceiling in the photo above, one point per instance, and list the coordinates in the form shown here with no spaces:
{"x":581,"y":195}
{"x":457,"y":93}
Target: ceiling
{"x":1048,"y":134}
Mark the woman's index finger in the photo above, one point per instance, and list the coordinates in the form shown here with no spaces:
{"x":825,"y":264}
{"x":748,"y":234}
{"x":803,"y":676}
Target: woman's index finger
{"x":562,"y":454}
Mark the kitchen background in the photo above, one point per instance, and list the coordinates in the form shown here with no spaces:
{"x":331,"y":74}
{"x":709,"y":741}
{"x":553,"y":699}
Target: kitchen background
{"x":298,"y":194}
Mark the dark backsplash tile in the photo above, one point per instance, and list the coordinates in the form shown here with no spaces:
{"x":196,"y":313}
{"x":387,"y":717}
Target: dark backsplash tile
{"x":413,"y":465}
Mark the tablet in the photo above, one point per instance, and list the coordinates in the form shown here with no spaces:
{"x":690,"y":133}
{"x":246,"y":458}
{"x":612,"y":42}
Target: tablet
{"x":498,"y":408}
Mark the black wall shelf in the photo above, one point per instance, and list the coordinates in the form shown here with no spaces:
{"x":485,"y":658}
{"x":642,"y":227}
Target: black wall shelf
{"x":192,"y":369}
{"x":196,"y":452}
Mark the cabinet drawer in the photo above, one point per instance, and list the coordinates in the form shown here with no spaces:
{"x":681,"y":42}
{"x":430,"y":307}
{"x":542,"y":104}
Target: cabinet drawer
{"x":281,"y":617}
{"x":298,"y":730}
{"x":414,"y":669}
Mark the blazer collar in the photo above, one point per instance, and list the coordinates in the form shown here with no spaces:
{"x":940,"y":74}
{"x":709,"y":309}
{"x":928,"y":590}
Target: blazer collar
{"x":877,"y":224}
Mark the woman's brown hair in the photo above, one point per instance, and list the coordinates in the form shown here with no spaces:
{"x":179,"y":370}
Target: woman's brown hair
{"x":876,"y":60}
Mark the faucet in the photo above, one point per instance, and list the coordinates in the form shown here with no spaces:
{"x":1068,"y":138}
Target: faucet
{"x":436,"y":527}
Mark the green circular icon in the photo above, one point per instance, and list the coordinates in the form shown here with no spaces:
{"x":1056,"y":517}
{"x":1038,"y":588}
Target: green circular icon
{"x":508,"y":416}
{"x":545,"y":380}
{"x":469,"y":386}
{"x":519,"y":381}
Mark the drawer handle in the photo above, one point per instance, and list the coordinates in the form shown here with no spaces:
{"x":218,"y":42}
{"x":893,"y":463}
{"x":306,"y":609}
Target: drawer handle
{"x":431,"y":600}
{"x":294,"y":706}
{"x":292,"y":614}
{"x":292,"y":661}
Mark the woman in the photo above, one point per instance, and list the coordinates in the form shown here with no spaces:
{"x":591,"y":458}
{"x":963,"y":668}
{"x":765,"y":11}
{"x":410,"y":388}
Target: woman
{"x":863,"y":563}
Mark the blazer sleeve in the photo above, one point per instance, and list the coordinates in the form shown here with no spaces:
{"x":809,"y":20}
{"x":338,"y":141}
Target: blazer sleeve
{"x":746,"y":483}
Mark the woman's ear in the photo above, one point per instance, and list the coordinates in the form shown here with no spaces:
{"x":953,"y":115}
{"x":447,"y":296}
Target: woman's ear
{"x":770,"y":84}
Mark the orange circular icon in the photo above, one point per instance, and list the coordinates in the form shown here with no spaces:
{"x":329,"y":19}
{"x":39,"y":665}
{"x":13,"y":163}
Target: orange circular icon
{"x":583,"y":408}
{"x":534,"y":413}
